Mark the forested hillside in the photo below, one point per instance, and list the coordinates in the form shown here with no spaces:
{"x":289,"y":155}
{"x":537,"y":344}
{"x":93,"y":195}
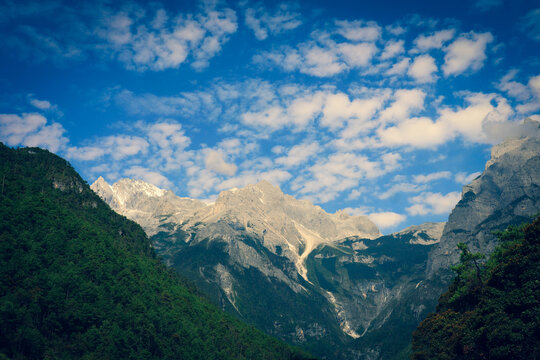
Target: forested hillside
{"x":492,"y":309}
{"x":78,"y":281}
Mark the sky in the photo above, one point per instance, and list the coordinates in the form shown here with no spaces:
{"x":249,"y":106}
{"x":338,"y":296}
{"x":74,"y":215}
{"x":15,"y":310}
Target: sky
{"x":382,"y":108}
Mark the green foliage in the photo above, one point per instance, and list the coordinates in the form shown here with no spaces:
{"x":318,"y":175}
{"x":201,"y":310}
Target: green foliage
{"x":78,"y":281}
{"x":491,"y":311}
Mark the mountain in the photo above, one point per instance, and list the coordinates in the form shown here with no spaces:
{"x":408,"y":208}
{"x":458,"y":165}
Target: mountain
{"x":490,"y":311}
{"x":330,"y":282}
{"x":79,"y":281}
{"x":506,"y":193}
{"x":312,"y":278}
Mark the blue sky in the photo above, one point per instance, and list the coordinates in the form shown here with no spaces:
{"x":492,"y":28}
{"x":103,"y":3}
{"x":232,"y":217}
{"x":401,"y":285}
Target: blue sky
{"x":382,"y":108}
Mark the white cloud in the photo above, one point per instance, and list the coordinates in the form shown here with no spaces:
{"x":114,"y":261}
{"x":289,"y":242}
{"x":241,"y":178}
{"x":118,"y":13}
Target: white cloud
{"x":433,"y":41}
{"x":159,"y":42}
{"x":422,"y":179}
{"x":299,"y":154}
{"x":41,"y":104}
{"x":420,"y":132}
{"x":399,"y":68}
{"x":32,"y":130}
{"x":118,"y":147}
{"x":339,"y":110}
{"x":359,"y":30}
{"x":272,"y":117}
{"x":333,"y":174}
{"x":534,"y":84}
{"x":321,"y":62}
{"x":467,"y":52}
{"x":214,"y":161}
{"x":470,"y":122}
{"x":322,"y":56}
{"x":400,"y":188}
{"x":357,"y":55}
{"x":433,"y":203}
{"x":387,"y":219}
{"x":422,"y":69}
{"x":405,"y":103}
{"x":392,"y":49}
{"x":263,"y":23}
{"x":514,"y":88}
{"x":464,"y":178}
{"x":533,"y":89}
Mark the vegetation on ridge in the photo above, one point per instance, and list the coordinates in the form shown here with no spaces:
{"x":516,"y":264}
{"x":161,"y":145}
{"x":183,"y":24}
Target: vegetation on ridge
{"x":491,"y":310}
{"x":78,"y":281}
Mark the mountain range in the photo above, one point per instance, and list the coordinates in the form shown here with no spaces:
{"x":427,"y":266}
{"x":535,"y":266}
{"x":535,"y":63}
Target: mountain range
{"x":328,"y":282}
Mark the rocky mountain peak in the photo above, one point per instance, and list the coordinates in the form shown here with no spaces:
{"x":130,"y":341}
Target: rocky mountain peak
{"x":425,"y":234}
{"x":506,"y":193}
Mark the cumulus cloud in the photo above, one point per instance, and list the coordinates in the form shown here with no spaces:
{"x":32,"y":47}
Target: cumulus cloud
{"x":357,"y":55}
{"x":338,"y":172}
{"x":359,"y":30}
{"x":399,"y":68}
{"x":467,"y":52}
{"x":419,"y":132}
{"x":423,"y":179}
{"x":323,"y":55}
{"x":387,"y":219}
{"x":470,"y":122}
{"x":435,"y":40}
{"x":264,"y":23}
{"x":392,"y":49}
{"x":118,"y":147}
{"x":32,"y":130}
{"x":433,"y":203}
{"x":214,"y":161}
{"x":164,"y":42}
{"x":405,"y":103}
{"x":513,"y":88}
{"x":422,"y":69}
{"x":298,"y":154}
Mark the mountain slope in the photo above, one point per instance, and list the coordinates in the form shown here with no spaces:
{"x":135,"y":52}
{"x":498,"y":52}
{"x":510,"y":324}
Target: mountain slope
{"x":311,"y":278}
{"x":491,"y":314}
{"x":79,"y":281}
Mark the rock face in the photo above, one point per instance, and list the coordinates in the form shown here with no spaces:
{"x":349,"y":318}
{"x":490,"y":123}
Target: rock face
{"x":507,"y":192}
{"x":325,"y":281}
{"x":145,"y":203}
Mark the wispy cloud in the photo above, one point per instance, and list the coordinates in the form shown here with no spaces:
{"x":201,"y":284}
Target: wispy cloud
{"x":530,"y":24}
{"x":265,"y":23}
{"x":142,"y":37}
